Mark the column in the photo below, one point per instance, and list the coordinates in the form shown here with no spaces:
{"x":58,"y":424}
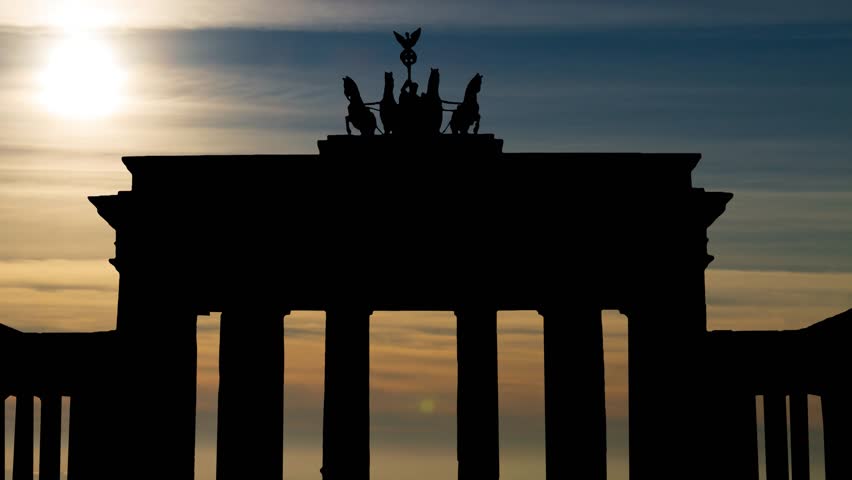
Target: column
{"x":799,"y":436}
{"x":146,"y":414}
{"x":3,"y":437}
{"x":83,"y":456}
{"x":145,"y":418}
{"x":94,"y":450}
{"x":731,"y":431}
{"x":250,"y":436}
{"x":662,"y":295}
{"x":346,"y":403}
{"x":22,"y":466}
{"x":51,"y":428}
{"x":667,"y":407}
{"x":743,"y":437}
{"x":478,"y":442}
{"x":837,"y":425}
{"x":775,"y":421}
{"x":574,"y":397}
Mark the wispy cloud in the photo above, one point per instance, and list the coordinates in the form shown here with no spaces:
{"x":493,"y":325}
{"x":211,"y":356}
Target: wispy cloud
{"x":57,"y":275}
{"x":799,"y":231}
{"x":368,"y":14}
{"x":751,"y":300}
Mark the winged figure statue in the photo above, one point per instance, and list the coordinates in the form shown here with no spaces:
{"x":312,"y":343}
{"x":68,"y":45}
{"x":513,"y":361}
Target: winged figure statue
{"x":409,"y":40}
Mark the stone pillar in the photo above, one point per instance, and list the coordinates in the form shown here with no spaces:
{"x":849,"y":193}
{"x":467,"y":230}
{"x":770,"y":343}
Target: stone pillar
{"x":663,"y":298}
{"x":743,"y":438}
{"x":3,"y":437}
{"x":799,"y":451}
{"x":82,"y":455}
{"x":667,"y":407}
{"x":775,"y":421}
{"x":837,"y":425}
{"x":151,"y":429}
{"x":478,"y":443}
{"x":346,"y":404}
{"x":574,"y":397}
{"x":732,"y":424}
{"x":250,"y":437}
{"x":50,"y":441}
{"x":94,"y":450}
{"x":146,"y":413}
{"x":22,"y":466}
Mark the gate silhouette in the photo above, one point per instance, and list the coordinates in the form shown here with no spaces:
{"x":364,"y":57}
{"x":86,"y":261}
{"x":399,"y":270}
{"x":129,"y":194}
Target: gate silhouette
{"x":436,"y":223}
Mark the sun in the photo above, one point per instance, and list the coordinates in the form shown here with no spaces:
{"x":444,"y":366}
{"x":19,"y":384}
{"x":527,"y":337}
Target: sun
{"x":426,"y":406}
{"x":81,"y":78}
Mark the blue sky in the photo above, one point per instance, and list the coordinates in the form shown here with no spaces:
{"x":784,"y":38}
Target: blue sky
{"x":762,"y":89}
{"x":769,"y":106}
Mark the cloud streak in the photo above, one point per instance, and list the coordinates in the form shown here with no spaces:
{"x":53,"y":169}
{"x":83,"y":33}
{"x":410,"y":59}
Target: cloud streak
{"x":370,"y":14}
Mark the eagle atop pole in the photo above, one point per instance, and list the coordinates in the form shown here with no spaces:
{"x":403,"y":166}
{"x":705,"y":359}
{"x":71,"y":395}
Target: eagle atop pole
{"x":408,"y":57}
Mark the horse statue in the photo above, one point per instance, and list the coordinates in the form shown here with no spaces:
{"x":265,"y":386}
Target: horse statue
{"x":388,"y":108}
{"x":467,"y":112}
{"x":360,"y":115}
{"x":432,"y":105}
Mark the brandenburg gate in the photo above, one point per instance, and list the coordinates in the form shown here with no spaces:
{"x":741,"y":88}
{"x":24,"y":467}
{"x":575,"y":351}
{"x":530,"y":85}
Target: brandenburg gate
{"x":417,"y":222}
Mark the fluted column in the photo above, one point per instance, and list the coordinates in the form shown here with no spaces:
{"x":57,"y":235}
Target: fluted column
{"x":250,"y":437}
{"x":95,"y":452}
{"x":477,"y":413}
{"x":664,"y":370}
{"x":799,"y":451}
{"x":82,"y":453}
{"x":742,"y":440}
{"x":574,"y":397}
{"x":50,"y":438}
{"x":142,"y":421}
{"x":3,"y":437}
{"x":775,"y":420}
{"x":22,"y":466}
{"x":346,"y":398}
{"x":837,"y":425}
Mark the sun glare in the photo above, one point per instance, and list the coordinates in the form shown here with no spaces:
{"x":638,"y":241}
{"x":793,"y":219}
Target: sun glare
{"x":81,"y":79}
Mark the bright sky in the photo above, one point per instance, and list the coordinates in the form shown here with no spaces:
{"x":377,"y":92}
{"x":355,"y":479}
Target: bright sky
{"x":368,"y":14}
{"x":761,"y":88}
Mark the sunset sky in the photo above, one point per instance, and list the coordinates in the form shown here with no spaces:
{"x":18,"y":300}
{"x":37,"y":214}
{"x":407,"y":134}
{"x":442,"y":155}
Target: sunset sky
{"x":763,"y":89}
